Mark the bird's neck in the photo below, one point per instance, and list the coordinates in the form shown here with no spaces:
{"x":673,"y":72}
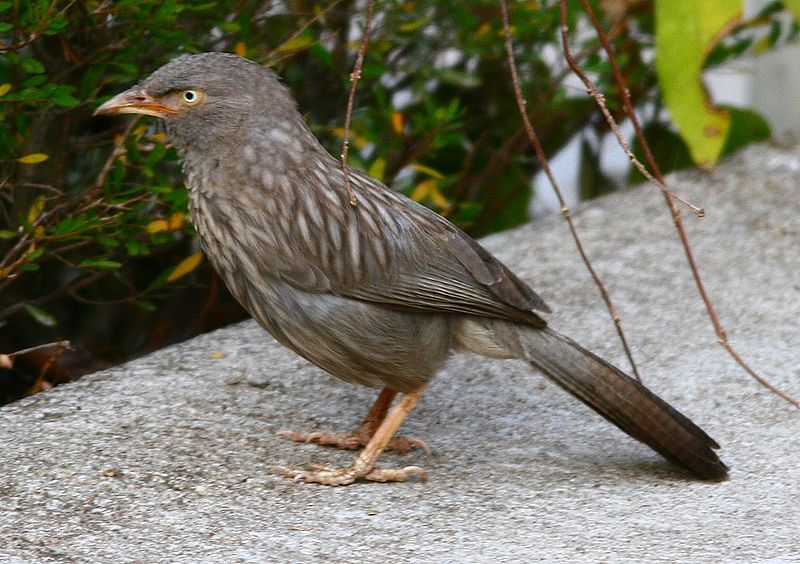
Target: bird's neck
{"x":264,"y":178}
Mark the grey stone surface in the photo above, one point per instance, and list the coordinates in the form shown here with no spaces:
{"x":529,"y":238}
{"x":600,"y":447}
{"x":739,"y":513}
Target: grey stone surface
{"x":170,"y":458}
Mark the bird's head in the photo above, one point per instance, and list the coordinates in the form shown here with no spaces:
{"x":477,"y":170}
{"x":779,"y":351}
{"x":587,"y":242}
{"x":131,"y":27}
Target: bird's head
{"x":206,"y":98}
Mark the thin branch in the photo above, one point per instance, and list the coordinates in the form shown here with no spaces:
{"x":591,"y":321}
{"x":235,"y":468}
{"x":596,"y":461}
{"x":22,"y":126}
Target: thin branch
{"x":56,"y":348}
{"x":355,"y":76}
{"x":26,"y":243}
{"x":38,"y":30}
{"x":72,"y":286}
{"x":565,"y":211}
{"x":658,"y":179}
{"x":319,"y":15}
{"x":118,"y":150}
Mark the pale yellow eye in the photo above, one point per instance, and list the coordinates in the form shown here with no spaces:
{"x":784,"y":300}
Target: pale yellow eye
{"x":191,"y":97}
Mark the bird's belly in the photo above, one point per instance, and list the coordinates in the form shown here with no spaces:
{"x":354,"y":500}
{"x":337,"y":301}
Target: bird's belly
{"x":355,"y":341}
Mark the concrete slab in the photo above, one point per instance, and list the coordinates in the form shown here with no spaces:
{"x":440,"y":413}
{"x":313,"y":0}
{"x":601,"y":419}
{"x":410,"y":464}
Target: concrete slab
{"x":170,"y":458}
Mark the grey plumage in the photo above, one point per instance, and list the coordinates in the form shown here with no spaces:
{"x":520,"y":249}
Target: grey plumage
{"x":379,"y":293}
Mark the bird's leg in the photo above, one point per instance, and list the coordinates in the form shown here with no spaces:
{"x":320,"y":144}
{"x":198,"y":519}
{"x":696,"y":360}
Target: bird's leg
{"x":363,"y":433}
{"x":364,"y":464}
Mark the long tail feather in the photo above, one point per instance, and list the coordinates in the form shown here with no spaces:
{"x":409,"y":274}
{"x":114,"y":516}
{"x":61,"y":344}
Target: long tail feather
{"x":623,"y":401}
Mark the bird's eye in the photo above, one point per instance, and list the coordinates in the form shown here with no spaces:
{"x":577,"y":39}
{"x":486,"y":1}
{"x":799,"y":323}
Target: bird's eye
{"x":190,"y":96}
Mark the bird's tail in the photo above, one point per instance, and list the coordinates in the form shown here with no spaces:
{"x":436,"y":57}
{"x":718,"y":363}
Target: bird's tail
{"x":622,"y":400}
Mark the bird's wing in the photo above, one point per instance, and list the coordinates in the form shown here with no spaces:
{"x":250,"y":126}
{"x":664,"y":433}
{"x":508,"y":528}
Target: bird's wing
{"x":389,"y":250}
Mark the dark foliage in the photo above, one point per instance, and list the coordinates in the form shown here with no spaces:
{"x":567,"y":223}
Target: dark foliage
{"x":94,"y":245}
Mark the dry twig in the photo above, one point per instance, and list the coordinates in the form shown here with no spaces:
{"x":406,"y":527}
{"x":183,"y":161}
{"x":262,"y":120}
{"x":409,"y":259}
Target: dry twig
{"x":355,"y":76}
{"x":656,"y":178}
{"x":565,"y":211}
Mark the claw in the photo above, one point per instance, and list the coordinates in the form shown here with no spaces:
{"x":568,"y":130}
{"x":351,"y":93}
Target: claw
{"x":353,"y":440}
{"x":324,"y":475}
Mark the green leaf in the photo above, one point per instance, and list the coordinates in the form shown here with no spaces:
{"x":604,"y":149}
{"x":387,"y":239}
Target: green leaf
{"x":63,"y":98}
{"x":35,"y":80}
{"x":459,"y":78}
{"x":135,"y":248}
{"x":100,"y":263}
{"x":5,"y":5}
{"x":41,"y":316}
{"x":57,"y":25}
{"x":319,"y":51}
{"x":686,"y":30}
{"x":5,"y":26}
{"x":31,"y":66}
{"x":145,"y":305}
{"x":107,"y":241}
{"x":747,"y":127}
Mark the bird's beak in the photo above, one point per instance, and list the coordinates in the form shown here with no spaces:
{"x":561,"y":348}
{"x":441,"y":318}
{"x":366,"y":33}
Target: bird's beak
{"x":135,"y":101}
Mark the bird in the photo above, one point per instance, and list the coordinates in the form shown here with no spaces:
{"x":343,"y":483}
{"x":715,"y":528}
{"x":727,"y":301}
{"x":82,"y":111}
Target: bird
{"x":360,"y":280}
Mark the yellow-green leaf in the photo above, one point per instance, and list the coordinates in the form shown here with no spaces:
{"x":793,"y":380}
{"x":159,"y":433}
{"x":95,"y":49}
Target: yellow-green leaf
{"x":427,"y":170}
{"x":686,"y":31}
{"x":33,"y":158}
{"x":429,"y":190}
{"x":423,"y":189}
{"x":415,"y":25}
{"x":794,"y":7}
{"x":185,"y":266}
{"x":41,"y":316}
{"x":4,"y":88}
{"x":296,"y":43}
{"x":36,"y":209}
{"x":377,"y":169}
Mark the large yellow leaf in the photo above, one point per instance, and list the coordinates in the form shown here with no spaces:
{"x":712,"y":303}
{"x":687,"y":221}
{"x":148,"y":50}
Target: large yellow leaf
{"x":429,"y":189}
{"x":157,"y":226}
{"x":185,"y":266}
{"x":686,"y":31}
{"x":33,"y":158}
{"x":176,"y":220}
{"x":36,"y":209}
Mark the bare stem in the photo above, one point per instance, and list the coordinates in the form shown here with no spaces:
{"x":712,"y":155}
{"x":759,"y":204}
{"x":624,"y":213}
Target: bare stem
{"x":565,"y":211}
{"x":657,"y":178}
{"x":355,"y":76}
{"x":116,"y":152}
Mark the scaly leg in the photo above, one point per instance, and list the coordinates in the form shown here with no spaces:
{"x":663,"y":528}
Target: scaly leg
{"x":363,"y":433}
{"x":364,"y":464}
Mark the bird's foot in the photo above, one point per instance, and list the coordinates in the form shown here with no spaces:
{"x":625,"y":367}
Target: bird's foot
{"x":344,"y":476}
{"x":351,"y":441}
